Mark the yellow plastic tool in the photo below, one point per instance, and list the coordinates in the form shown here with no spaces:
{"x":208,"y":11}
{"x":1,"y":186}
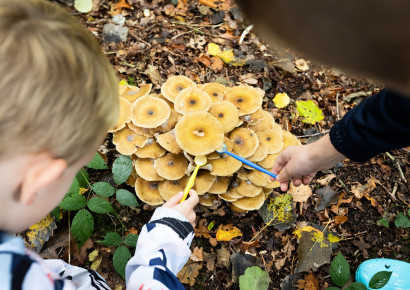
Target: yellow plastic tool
{"x":199,"y":161}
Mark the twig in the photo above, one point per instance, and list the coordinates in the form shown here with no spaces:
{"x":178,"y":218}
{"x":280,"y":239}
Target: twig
{"x":337,"y":106}
{"x":244,"y":33}
{"x":197,"y":25}
{"x":355,"y":235}
{"x":394,"y":189}
{"x":390,"y":193}
{"x":312,"y":135}
{"x":140,"y":39}
{"x":396,"y":163}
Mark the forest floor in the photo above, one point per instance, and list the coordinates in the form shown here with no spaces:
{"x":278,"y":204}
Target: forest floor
{"x":165,"y":40}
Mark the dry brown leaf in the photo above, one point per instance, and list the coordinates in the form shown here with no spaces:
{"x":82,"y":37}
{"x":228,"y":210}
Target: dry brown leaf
{"x":340,"y":219}
{"x":335,"y":208}
{"x":227,"y":232}
{"x":300,"y":193}
{"x":213,"y":242}
{"x":201,"y":230}
{"x":222,"y":256}
{"x":189,"y":272}
{"x":217,"y":63}
{"x":197,"y":254}
{"x":246,"y":245}
{"x":210,"y":259}
{"x":310,"y":282}
{"x":326,"y":180}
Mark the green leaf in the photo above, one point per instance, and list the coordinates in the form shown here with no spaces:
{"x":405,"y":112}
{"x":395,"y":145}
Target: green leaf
{"x":380,"y":279}
{"x":73,"y":201}
{"x":131,"y":240}
{"x":75,"y":187}
{"x":126,"y":198}
{"x":383,"y":222}
{"x":99,"y":205}
{"x":122,"y":169}
{"x":120,"y":259}
{"x":356,"y":286}
{"x":56,"y":214}
{"x":82,"y":226}
{"x":310,"y":111}
{"x":254,"y":278}
{"x":339,"y":270}
{"x":402,"y":221}
{"x":82,"y":177}
{"x":97,"y":162}
{"x":111,"y":240}
{"x":103,"y":189}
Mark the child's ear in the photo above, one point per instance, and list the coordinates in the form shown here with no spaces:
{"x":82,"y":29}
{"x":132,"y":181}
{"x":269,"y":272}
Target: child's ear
{"x":40,"y":173}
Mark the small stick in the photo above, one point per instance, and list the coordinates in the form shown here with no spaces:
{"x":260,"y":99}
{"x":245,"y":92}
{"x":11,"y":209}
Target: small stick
{"x":312,"y":135}
{"x":396,"y":163}
{"x":390,"y":193}
{"x":244,"y":33}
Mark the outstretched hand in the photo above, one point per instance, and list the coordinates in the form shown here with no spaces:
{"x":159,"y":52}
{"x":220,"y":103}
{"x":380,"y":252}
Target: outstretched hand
{"x":186,"y":208}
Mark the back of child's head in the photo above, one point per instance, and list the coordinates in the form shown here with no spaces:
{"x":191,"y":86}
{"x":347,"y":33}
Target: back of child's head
{"x":58,"y":92}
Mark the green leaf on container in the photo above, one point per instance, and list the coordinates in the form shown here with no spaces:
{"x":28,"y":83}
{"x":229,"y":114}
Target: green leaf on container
{"x":73,"y":201}
{"x":122,"y":169}
{"x":103,"y":189}
{"x":97,"y":162}
{"x":120,"y":259}
{"x":380,"y":279}
{"x":309,"y":111}
{"x":126,"y":198}
{"x":254,"y":278}
{"x":82,"y":226}
{"x":402,"y":221}
{"x":131,"y":240}
{"x":339,"y":270}
{"x":111,"y":240}
{"x":356,"y":286}
{"x":99,"y":205}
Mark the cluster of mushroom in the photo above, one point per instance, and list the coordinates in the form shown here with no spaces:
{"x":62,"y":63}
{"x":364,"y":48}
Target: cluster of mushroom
{"x":164,"y":132}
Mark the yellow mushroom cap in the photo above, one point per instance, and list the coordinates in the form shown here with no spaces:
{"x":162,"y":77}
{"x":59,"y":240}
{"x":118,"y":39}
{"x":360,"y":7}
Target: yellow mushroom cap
{"x":220,"y":185}
{"x":261,"y":120}
{"x":208,"y":199}
{"x":216,"y":155}
{"x":226,"y":113}
{"x":126,"y":141}
{"x":268,"y":162}
{"x":225,"y":166}
{"x":215,"y":91}
{"x":259,"y":178}
{"x":150,"y":150}
{"x":150,"y":112}
{"x":247,"y":99}
{"x":171,"y":88}
{"x":125,"y":114}
{"x":171,"y":166}
{"x":245,"y":142}
{"x":227,"y":197}
{"x":289,"y":139}
{"x":236,"y":209}
{"x":199,"y":133}
{"x":147,"y":191}
{"x":248,"y":189}
{"x":192,"y":100}
{"x":272,"y":138}
{"x":203,"y":182}
{"x":167,"y":125}
{"x":145,"y":169}
{"x":250,"y":203}
{"x":232,"y":192}
{"x":169,"y":142}
{"x":133,"y":177}
{"x":134,"y":93}
{"x":274,"y":184}
{"x":260,"y":153}
{"x":168,"y":188}
{"x":161,"y":96}
{"x":140,"y":131}
{"x":242,"y":173}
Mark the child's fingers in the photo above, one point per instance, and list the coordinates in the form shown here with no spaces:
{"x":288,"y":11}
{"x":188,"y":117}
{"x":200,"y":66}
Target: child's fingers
{"x":297,"y":181}
{"x":193,"y":199}
{"x":174,"y":200}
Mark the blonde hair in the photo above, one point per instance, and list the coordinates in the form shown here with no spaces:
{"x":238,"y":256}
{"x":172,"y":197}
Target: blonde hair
{"x":58,"y":92}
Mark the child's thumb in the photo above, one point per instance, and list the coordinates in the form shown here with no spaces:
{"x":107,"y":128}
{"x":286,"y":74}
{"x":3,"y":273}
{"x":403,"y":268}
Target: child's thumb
{"x":174,"y":200}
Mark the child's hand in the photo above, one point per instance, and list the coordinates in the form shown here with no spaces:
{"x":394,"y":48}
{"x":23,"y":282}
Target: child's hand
{"x":186,"y":208}
{"x":301,"y":163}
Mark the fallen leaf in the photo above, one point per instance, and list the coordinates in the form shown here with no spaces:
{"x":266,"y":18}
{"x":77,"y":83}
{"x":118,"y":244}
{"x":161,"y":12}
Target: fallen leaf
{"x":363,"y":246}
{"x":210,"y":3}
{"x":279,"y":212}
{"x":310,"y":111}
{"x":205,"y":60}
{"x":117,"y":8}
{"x":340,"y":219}
{"x":246,"y":245}
{"x":197,"y":254}
{"x":254,"y":278}
{"x":335,"y":208}
{"x":210,"y":259}
{"x":300,"y":193}
{"x":213,"y":242}
{"x":240,"y":262}
{"x":217,"y":63}
{"x":222,"y":256}
{"x":96,"y":264}
{"x":227,"y":232}
{"x":328,"y":197}
{"x":189,"y":272}
{"x":39,"y":233}
{"x":93,"y":255}
{"x":326,"y":180}
{"x":57,"y":241}
{"x":281,"y":100}
{"x":201,"y":230}
{"x":301,"y":64}
{"x":310,"y":282}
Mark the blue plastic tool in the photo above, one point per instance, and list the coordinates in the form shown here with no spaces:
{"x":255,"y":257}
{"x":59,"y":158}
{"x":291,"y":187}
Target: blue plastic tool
{"x":223,"y":149}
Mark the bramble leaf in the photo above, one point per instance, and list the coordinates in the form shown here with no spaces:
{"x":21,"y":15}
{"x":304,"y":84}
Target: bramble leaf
{"x":73,"y":201}
{"x":402,"y":221}
{"x":103,"y":189}
{"x":131,"y":240}
{"x":339,"y":270}
{"x":97,"y":162}
{"x":111,"y":240}
{"x":122,"y":169}
{"x":254,"y":278}
{"x":82,"y":226}
{"x":82,"y":177}
{"x":120,"y":259}
{"x":356,"y":286}
{"x":125,"y":197}
{"x":99,"y":205}
{"x":310,"y":111}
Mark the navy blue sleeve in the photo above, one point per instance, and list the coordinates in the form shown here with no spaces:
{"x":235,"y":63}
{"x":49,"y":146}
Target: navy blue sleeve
{"x":378,"y":124}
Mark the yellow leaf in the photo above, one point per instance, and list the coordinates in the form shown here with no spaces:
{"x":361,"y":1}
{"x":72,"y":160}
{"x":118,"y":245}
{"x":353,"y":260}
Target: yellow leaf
{"x":227,"y":233}
{"x":213,"y":49}
{"x":123,"y":83}
{"x":229,"y":57}
{"x":83,"y":190}
{"x":96,"y":264}
{"x":40,"y":232}
{"x":93,"y":255}
{"x":281,"y":100}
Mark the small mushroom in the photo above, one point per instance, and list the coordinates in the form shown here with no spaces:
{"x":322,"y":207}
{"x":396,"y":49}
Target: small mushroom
{"x":250,"y":203}
{"x":168,"y":124}
{"x":245,"y":142}
{"x":203,"y":182}
{"x":226,"y":113}
{"x":274,"y":184}
{"x":248,"y":189}
{"x":126,"y":141}
{"x":225,"y":166}
{"x":199,"y":133}
{"x":150,"y":150}
{"x":232,"y":192}
{"x":260,"y":153}
{"x":272,"y":138}
{"x":216,"y":155}
{"x":145,"y":169}
{"x":247,"y":99}
{"x":175,"y":84}
{"x":215,"y":91}
{"x":289,"y":139}
{"x":171,"y":166}
{"x":168,"y":188}
{"x":140,"y":131}
{"x":220,"y":185}
{"x":125,"y":114}
{"x":227,"y":197}
{"x":192,"y":100}
{"x":169,"y":142}
{"x":135,"y":93}
{"x":261,"y":120}
{"x":147,"y":191}
{"x":208,"y":199}
{"x":259,"y":178}
{"x":170,"y":104}
{"x":268,"y":162}
{"x":150,"y":112}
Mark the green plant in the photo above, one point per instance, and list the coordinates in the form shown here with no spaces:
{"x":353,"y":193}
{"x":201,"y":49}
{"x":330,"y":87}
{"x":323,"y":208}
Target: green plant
{"x":97,"y":198}
{"x":254,"y":278}
{"x":401,"y":221}
{"x":340,"y":274}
